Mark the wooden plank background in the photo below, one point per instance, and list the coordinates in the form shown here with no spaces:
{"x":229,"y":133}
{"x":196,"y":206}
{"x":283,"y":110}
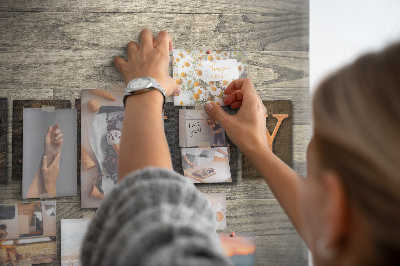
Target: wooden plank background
{"x":53,"y":49}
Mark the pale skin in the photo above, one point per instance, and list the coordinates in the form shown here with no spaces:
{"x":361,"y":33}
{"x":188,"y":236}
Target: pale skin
{"x":44,"y":182}
{"x":316,"y":205}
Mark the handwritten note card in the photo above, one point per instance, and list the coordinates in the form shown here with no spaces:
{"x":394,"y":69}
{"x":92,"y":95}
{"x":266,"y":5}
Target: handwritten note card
{"x":203,"y":77}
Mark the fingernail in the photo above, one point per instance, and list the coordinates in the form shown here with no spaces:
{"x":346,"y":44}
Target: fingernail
{"x":209,"y":106}
{"x":179,"y":90}
{"x":44,"y":157}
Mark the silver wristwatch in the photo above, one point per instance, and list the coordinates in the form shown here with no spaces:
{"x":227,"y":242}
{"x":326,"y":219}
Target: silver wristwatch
{"x":142,"y":85}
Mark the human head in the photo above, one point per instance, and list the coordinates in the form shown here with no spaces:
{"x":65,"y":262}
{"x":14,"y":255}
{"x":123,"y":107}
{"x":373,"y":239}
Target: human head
{"x":210,"y":121}
{"x":356,"y":141}
{"x":3,"y":226}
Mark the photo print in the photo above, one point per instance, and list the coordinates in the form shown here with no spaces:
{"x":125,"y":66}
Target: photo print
{"x":198,"y":128}
{"x":3,"y":140}
{"x":239,"y":247}
{"x":17,"y":128}
{"x":28,"y":233}
{"x":49,"y":153}
{"x":72,"y":234}
{"x":208,"y":165}
{"x":102,"y":114}
{"x":204,"y":76}
{"x":218,"y":201}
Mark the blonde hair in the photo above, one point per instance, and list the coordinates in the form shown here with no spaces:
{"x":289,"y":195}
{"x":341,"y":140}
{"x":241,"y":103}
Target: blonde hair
{"x":357,"y":134}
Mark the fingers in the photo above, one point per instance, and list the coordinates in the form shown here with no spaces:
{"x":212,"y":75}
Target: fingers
{"x":48,"y":132}
{"x":235,"y":99}
{"x":56,"y":160}
{"x":119,"y":63}
{"x":147,"y":40}
{"x":54,"y":129}
{"x":245,"y":85}
{"x":131,"y":48}
{"x":177,"y":92}
{"x":60,"y":142}
{"x":164,"y":41}
{"x":59,"y":137}
{"x":217,"y":113}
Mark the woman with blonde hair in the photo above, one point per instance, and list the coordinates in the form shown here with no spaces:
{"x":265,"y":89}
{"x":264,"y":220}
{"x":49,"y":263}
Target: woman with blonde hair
{"x":347,"y":210}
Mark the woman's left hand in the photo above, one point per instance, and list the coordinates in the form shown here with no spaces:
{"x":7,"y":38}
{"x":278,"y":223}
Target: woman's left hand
{"x":50,"y":175}
{"x":150,"y":59}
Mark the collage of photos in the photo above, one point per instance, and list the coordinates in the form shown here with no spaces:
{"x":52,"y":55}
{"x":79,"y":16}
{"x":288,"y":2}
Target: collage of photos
{"x":72,"y":234}
{"x":49,"y":153}
{"x":204,"y":76}
{"x":102,"y":114}
{"x":28,"y":233}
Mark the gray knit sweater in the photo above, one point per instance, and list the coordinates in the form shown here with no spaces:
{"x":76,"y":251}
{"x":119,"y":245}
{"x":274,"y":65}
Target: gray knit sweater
{"x":154,"y":217}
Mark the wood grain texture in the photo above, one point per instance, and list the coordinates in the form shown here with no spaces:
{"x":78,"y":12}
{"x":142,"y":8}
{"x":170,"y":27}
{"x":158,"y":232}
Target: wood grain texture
{"x":63,"y":69}
{"x":54,"y":49}
{"x":145,"y":6}
{"x":105,"y":31}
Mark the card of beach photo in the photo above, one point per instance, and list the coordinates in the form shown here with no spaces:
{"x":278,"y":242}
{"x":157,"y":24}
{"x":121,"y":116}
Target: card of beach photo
{"x":198,"y":128}
{"x":218,"y":201}
{"x":240,"y":247}
{"x":49,"y":153}
{"x":102,"y":114}
{"x":206,"y":165}
{"x":28,"y":233}
{"x":72,"y":233}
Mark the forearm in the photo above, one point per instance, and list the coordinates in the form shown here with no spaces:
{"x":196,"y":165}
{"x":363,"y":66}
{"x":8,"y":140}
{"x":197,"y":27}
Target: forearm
{"x":282,"y":180}
{"x":143,"y":141}
{"x":36,"y":188}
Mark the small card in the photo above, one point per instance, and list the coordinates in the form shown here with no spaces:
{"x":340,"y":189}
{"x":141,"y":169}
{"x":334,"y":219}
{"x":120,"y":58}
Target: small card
{"x":72,"y":234}
{"x":34,"y":226}
{"x":218,"y":201}
{"x":239,"y":247}
{"x":204,"y":76}
{"x":198,"y":129}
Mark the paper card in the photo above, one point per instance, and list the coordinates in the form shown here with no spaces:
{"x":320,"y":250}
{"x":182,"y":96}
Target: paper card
{"x":72,"y":234}
{"x":49,"y":134}
{"x":218,"y":201}
{"x":29,"y":230}
{"x":17,"y":128}
{"x":206,"y":165}
{"x":240,"y":248}
{"x":102,"y":114}
{"x":198,"y":128}
{"x":203,"y":77}
{"x":3,"y":140}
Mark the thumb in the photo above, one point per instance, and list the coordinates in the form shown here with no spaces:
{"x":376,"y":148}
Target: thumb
{"x":44,"y":163}
{"x":218,"y":113}
{"x":56,"y":159}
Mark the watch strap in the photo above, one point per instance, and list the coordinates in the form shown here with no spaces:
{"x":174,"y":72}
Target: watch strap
{"x":154,"y":85}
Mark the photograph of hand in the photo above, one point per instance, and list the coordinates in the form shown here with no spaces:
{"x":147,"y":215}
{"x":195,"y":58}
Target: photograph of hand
{"x":44,"y":182}
{"x":49,"y":153}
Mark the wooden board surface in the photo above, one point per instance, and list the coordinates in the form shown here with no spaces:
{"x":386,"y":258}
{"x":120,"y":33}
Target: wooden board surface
{"x":53,"y":49}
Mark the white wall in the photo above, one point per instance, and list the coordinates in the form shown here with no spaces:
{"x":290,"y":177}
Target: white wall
{"x":341,"y":30}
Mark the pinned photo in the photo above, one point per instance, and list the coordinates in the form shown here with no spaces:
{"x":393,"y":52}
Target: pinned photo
{"x":49,"y":153}
{"x":218,"y":201}
{"x":206,"y":165}
{"x":239,"y":247}
{"x":28,"y":233}
{"x":72,"y":234}
{"x":102,"y":114}
{"x":204,"y":76}
{"x":198,"y":128}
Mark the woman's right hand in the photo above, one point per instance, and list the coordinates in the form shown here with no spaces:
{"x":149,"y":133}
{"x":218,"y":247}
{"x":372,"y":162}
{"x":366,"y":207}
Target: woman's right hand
{"x":247,"y":129}
{"x":53,"y":143}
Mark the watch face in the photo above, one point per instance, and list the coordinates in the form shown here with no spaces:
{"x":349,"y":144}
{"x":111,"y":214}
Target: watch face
{"x":140,"y":83}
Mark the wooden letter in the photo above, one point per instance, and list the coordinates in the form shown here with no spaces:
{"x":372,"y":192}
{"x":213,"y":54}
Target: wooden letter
{"x":270,"y":137}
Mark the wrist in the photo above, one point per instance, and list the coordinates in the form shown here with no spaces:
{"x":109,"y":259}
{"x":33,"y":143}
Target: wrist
{"x":148,"y":100}
{"x":50,"y":189}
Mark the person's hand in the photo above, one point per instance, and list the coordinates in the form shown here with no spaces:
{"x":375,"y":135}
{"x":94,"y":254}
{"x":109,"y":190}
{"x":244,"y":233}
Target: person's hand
{"x":247,"y":129}
{"x":192,"y":164}
{"x":53,"y":142}
{"x":150,"y":59}
{"x":50,"y":174}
